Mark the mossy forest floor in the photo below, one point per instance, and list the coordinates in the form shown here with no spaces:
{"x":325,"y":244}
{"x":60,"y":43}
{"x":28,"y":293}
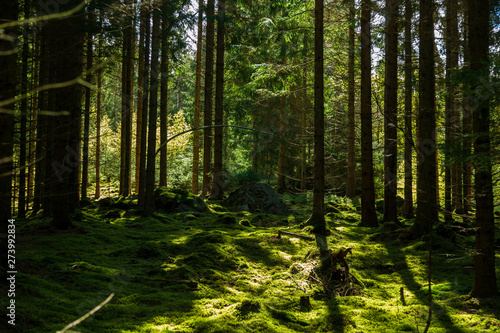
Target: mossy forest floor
{"x":205,"y":272}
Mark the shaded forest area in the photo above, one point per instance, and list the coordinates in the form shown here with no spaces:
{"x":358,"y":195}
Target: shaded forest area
{"x":268,"y":166}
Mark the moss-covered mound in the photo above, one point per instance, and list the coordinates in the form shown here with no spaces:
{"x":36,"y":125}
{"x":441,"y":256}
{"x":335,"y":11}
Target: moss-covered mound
{"x":178,"y":200}
{"x":258,"y":197}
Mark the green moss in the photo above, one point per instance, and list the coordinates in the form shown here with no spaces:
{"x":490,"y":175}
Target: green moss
{"x":216,"y":277}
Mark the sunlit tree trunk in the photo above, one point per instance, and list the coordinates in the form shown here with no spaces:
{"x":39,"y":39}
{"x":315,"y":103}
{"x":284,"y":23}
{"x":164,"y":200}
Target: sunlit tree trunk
{"x":153,"y":109}
{"x":98,"y":128}
{"x":218,"y":179}
{"x":208,"y":104}
{"x":391,"y":112}
{"x":197,"y":100}
{"x":408,"y":129}
{"x":484,"y":258}
{"x":427,"y":208}
{"x":351,"y":143}
{"x":368,"y":214}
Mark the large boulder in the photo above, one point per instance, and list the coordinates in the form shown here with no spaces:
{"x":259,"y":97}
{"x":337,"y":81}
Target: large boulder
{"x":178,"y":200}
{"x":255,"y":197}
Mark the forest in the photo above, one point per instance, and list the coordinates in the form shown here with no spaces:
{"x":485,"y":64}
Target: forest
{"x":250,"y":166}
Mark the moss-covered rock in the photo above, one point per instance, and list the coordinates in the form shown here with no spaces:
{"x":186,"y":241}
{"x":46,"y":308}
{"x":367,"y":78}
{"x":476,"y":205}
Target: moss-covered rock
{"x":258,"y":197}
{"x":178,"y":200}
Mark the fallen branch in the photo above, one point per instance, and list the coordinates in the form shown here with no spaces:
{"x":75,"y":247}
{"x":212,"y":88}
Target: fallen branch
{"x":90,"y":313}
{"x":294,"y":235}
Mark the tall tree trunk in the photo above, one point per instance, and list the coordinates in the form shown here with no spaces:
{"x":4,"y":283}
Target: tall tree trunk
{"x":484,"y":259}
{"x":282,"y":152}
{"x":408,"y":156}
{"x":66,"y":42}
{"x":145,"y":17}
{"x":317,"y":218}
{"x":197,"y":99}
{"x":33,"y":120}
{"x":8,"y":63}
{"x":368,"y":214}
{"x":140,"y":98}
{"x":208,"y":104}
{"x":164,"y":96}
{"x":467,"y":132}
{"x":153,"y":108}
{"x":391,"y":112}
{"x":21,"y":210}
{"x":218,"y":179}
{"x":86,"y":122}
{"x":98,"y":127}
{"x":41,"y":127}
{"x":126,"y":133}
{"x":351,"y":139}
{"x":427,"y":209}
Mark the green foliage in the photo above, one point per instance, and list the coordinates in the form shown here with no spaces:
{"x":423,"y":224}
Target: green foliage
{"x":250,"y":175}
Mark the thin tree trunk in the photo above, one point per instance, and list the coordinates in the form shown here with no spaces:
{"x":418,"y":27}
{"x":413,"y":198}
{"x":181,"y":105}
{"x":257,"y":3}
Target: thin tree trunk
{"x":208,"y":104}
{"x":140,"y":99}
{"x":21,"y":211}
{"x":351,"y":143}
{"x":86,"y":123}
{"x":485,"y":284}
{"x":282,"y":153}
{"x":98,"y":130}
{"x":197,"y":99}
{"x":153,"y":108}
{"x":467,"y":131}
{"x":145,"y":15}
{"x":391,"y":112}
{"x":218,"y":179}
{"x":33,"y":121}
{"x":164,"y":97}
{"x":408,"y":156}
{"x":427,"y":208}
{"x":368,"y":214}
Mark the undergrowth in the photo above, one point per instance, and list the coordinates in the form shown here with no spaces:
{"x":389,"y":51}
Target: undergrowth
{"x":222,"y":271}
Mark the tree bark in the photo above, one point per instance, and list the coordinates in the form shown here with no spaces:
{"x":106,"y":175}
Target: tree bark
{"x":351,"y":143}
{"x":391,"y":112}
{"x":408,"y":153}
{"x":153,"y":108}
{"x":197,"y":99}
{"x":208,"y":104}
{"x":368,"y":214}
{"x":145,"y":17}
{"x":8,"y":63}
{"x":98,"y":128}
{"x":281,"y":153}
{"x":484,"y":259}
{"x":21,"y":208}
{"x":427,"y":208}
{"x":317,"y":219}
{"x":164,"y":96}
{"x":66,"y":43}
{"x":218,"y":178}
{"x":86,"y":122}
